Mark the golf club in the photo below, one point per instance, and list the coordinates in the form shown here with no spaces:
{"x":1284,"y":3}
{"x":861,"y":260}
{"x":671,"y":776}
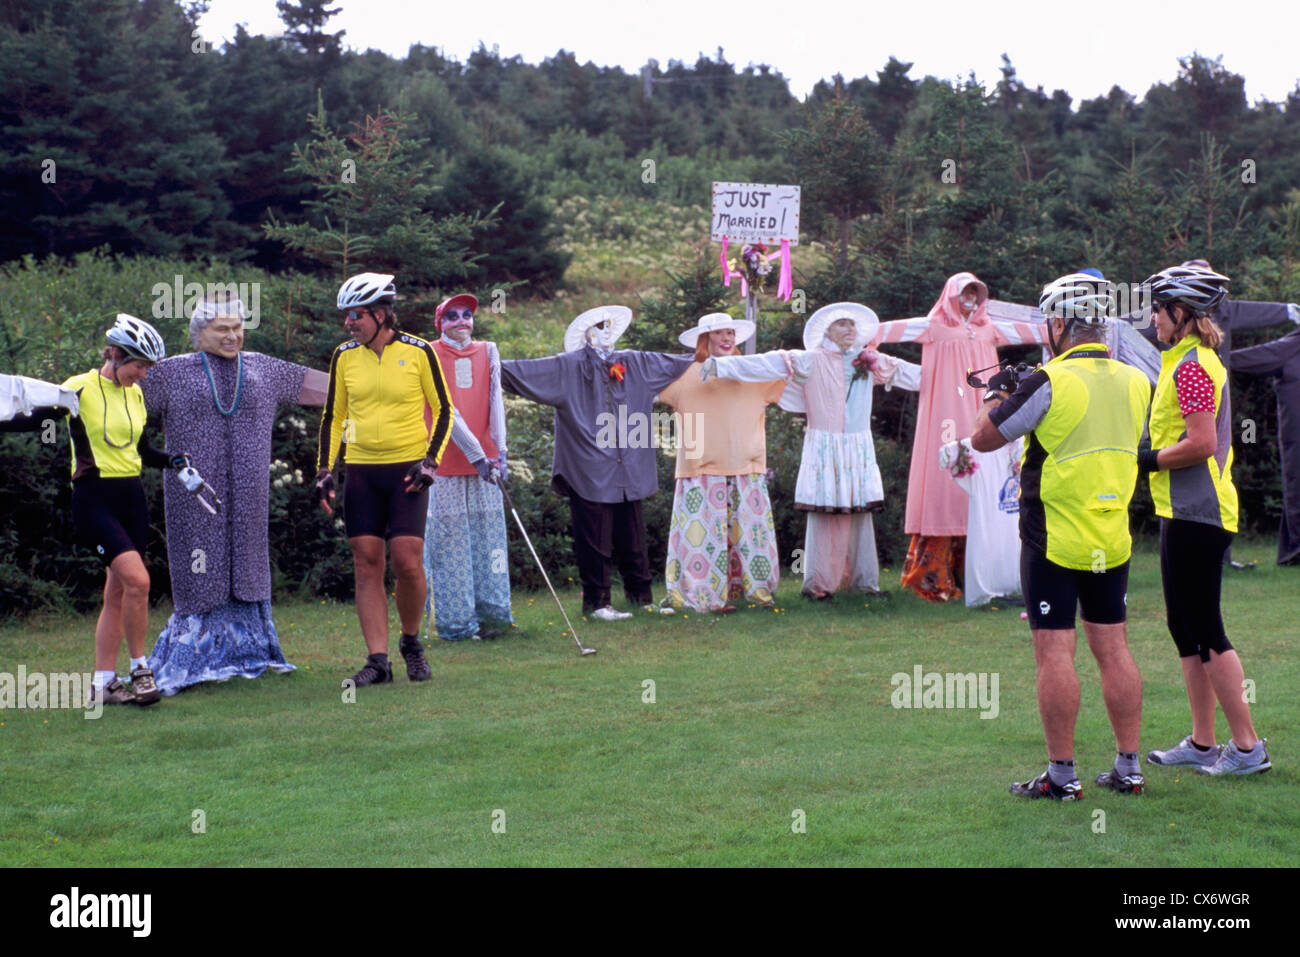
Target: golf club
{"x":545,"y":577}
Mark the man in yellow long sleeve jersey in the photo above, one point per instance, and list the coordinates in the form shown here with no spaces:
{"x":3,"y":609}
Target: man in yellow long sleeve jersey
{"x":374,"y":421}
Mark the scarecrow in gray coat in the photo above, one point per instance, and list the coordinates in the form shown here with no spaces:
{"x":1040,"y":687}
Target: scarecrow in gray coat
{"x":604,"y":455}
{"x":218,"y":405}
{"x":1281,"y":359}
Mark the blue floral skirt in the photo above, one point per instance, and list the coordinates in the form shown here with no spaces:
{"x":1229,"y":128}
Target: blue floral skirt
{"x":237,"y":639}
{"x":465,"y":558}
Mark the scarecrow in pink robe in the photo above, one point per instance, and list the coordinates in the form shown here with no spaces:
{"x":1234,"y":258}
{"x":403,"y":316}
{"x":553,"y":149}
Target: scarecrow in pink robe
{"x":957,"y":336}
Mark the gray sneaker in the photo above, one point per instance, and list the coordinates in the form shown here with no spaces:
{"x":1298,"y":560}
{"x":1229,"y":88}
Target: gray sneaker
{"x":1184,"y":754}
{"x":1232,"y":761}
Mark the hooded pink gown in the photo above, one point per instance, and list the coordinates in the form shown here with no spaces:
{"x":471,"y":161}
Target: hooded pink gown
{"x":950,"y":346}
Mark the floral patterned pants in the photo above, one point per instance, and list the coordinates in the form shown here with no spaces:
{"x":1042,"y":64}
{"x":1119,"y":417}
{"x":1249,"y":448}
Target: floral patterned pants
{"x":721,"y":545}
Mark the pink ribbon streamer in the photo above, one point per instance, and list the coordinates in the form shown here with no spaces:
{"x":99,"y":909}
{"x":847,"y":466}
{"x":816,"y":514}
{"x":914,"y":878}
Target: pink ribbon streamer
{"x":728,"y":274}
{"x":785,"y":285}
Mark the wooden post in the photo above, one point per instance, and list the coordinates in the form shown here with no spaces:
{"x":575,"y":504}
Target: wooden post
{"x":751,"y":313}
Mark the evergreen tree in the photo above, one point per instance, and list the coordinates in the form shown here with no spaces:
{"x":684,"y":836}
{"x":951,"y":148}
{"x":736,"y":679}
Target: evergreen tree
{"x":374,"y":190}
{"x":521,"y":245}
{"x":838,"y":163}
{"x":104,"y":139}
{"x":306,"y":21}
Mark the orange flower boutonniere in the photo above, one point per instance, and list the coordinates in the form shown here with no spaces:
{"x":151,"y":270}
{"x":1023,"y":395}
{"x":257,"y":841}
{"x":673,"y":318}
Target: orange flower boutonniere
{"x":617,"y":371}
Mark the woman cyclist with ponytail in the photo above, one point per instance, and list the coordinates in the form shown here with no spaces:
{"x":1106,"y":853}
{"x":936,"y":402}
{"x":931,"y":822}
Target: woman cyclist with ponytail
{"x":1190,"y":465}
{"x":108,"y":503}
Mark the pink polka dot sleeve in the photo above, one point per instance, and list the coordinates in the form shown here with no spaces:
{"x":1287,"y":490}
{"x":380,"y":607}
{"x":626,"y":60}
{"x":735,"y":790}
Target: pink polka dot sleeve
{"x":1195,"y":389}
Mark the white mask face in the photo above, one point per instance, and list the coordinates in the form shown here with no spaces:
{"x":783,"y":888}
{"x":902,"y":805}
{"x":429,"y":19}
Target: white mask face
{"x":601,"y":334}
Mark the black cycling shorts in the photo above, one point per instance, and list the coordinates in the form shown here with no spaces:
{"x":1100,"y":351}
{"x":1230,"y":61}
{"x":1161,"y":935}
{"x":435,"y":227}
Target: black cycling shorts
{"x":111,"y":515}
{"x":1191,"y":565}
{"x":375,"y":502}
{"x":1052,"y":592}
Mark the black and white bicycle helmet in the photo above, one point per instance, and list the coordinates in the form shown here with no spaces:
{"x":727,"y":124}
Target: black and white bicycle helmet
{"x":137,"y":338}
{"x":1199,"y":289}
{"x":1078,"y":296}
{"x":367,"y":289}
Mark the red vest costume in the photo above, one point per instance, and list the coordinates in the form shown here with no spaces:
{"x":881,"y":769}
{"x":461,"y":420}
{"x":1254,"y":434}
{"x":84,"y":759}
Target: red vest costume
{"x":469,"y":377}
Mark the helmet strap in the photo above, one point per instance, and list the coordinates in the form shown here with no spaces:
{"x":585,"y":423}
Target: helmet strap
{"x":1184,"y":321}
{"x":1065,"y":331}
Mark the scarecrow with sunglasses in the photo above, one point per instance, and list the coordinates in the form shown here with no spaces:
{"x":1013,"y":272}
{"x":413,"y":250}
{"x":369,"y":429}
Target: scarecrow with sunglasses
{"x":465,"y":534}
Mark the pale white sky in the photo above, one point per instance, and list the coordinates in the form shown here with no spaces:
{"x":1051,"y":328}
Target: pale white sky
{"x":1084,"y":49}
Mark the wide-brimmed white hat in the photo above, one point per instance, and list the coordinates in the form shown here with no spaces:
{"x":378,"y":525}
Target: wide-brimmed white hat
{"x":619,"y":317}
{"x":714,"y":321}
{"x":814,"y":330}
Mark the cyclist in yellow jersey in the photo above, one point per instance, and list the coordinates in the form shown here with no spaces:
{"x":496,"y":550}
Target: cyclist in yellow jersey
{"x":374,"y":423}
{"x":1083,"y":415}
{"x":108,"y":502}
{"x":1190,"y":466}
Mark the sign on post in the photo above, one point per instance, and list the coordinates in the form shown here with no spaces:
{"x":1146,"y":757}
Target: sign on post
{"x":755,"y":213}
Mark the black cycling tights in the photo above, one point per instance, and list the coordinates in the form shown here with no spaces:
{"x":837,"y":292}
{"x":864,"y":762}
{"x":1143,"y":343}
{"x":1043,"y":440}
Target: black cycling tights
{"x":1191,"y":565}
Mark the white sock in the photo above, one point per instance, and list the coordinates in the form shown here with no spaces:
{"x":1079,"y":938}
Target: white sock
{"x":103,"y":679}
{"x":139,"y":663}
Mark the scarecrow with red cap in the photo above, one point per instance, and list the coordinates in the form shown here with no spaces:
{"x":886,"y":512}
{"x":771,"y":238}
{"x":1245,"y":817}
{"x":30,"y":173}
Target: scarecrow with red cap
{"x":465,"y":534}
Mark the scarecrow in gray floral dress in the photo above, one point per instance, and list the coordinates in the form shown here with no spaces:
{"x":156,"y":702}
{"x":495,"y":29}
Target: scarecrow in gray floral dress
{"x":218,"y":406}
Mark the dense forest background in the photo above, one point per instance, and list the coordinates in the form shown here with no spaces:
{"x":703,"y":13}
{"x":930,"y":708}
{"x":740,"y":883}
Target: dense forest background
{"x":135,"y":151}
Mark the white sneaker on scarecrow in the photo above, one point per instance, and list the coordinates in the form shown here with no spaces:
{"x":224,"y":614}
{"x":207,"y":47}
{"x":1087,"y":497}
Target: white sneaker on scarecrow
{"x":609,"y":614}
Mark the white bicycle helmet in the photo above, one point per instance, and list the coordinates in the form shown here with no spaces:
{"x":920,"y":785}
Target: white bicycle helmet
{"x":1078,"y":296}
{"x":137,"y":338}
{"x":366,"y":289}
{"x":1199,"y":289}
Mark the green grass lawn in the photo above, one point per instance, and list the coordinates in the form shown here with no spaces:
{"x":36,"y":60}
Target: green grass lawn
{"x":756,"y":716}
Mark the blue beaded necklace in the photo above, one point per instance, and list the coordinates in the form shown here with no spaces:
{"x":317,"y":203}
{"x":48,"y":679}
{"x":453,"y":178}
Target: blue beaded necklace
{"x":239,"y":385}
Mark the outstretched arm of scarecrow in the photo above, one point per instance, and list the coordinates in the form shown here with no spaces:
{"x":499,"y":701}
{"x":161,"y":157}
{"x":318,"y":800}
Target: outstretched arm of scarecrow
{"x":1267,"y":358}
{"x":539,"y":380}
{"x":315,"y":387}
{"x":792,"y":365}
{"x":894,"y":373}
{"x":916,"y":329}
{"x":26,"y":403}
{"x":1238,"y":315}
{"x":762,"y":367}
{"x":1010,"y":333}
{"x":656,"y":369}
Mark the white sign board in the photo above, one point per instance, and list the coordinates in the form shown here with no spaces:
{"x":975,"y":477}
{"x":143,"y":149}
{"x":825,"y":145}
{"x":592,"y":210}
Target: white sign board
{"x":755,"y":213}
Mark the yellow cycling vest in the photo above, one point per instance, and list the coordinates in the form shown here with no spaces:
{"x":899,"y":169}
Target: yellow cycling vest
{"x":1203,"y":492}
{"x":1082,"y":460}
{"x":106,"y":433}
